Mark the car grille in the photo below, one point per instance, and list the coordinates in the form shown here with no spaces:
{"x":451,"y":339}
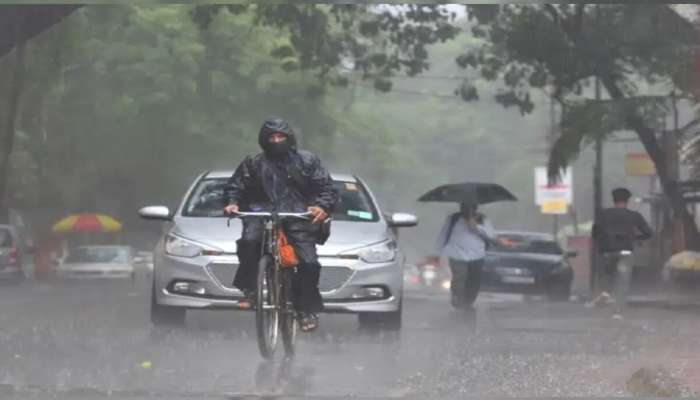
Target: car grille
{"x":223,"y":273}
{"x":332,"y":278}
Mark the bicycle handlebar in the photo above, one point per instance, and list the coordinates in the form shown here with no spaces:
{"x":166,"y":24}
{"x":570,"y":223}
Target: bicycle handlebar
{"x":265,"y":214}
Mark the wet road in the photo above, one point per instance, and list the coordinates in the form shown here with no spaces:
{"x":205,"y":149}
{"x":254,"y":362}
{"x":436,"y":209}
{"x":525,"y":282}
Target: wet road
{"x":94,"y":339}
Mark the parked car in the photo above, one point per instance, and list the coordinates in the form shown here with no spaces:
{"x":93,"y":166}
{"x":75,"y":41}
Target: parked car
{"x":195,"y":260}
{"x":105,"y":262}
{"x":15,"y":253}
{"x":528,"y":263}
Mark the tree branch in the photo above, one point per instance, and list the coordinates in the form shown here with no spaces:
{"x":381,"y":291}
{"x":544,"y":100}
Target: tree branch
{"x":572,"y":29}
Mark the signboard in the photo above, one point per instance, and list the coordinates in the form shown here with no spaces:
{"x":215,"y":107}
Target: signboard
{"x":556,"y":193}
{"x":639,"y":164}
{"x":554,"y":207}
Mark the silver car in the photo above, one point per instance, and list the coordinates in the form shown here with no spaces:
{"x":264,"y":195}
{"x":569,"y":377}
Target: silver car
{"x":195,"y":260}
{"x":98,"y":262}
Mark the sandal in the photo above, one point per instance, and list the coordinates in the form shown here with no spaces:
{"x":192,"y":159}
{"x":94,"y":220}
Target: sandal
{"x":309,"y":322}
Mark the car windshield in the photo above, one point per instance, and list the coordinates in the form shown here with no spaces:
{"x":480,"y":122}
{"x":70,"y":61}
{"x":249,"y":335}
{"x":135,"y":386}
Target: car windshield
{"x":514,"y":243}
{"x":355,"y":204}
{"x":5,"y":237}
{"x":207,"y":200}
{"x":83,"y":255}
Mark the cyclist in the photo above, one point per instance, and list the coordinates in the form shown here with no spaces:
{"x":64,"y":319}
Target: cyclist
{"x":615,"y":232}
{"x":282,"y":178}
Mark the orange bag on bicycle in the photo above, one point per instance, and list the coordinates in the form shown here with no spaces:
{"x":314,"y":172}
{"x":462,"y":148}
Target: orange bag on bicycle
{"x":288,"y":257}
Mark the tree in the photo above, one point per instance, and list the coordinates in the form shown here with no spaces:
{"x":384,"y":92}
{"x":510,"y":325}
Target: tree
{"x":560,"y":49}
{"x":331,"y":39}
{"x":127,"y":102}
{"x":19,"y":23}
{"x":8,"y":129}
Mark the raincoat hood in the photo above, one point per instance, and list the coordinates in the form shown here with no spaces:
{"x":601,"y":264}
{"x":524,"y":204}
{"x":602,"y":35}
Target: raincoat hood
{"x":271,"y":126}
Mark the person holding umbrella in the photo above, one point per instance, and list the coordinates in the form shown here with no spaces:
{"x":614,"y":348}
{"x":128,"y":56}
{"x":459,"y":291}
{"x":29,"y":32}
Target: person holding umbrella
{"x":465,"y":236}
{"x":463,"y":239}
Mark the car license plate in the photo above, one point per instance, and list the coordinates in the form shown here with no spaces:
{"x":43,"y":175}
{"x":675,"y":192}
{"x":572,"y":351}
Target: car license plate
{"x":521,"y":280}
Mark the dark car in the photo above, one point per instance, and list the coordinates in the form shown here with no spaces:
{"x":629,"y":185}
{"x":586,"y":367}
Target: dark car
{"x":528,"y":263}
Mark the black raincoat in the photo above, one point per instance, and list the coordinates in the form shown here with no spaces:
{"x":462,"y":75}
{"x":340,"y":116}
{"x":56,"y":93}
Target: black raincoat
{"x":284,"y":180}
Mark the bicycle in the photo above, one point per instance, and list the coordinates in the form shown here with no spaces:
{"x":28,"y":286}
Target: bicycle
{"x":274,"y":310}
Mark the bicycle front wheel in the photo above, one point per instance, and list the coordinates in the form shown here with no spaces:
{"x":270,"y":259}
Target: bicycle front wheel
{"x":267,"y":307}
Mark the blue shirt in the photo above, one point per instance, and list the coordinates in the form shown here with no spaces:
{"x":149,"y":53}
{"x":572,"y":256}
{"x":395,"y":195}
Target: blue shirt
{"x":466,"y":243}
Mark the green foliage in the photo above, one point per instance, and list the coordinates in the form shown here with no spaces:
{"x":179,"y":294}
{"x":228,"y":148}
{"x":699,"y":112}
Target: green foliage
{"x":129,"y":102}
{"x":560,"y":49}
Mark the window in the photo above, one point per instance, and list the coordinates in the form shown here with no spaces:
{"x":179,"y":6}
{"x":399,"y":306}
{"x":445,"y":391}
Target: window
{"x":207,"y":199}
{"x":354,"y":203}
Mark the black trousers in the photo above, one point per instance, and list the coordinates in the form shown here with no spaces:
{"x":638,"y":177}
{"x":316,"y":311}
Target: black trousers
{"x":306,"y":295}
{"x":466,"y":281}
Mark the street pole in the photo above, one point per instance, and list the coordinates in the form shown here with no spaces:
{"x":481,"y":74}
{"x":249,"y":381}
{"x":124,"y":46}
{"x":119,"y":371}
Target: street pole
{"x":550,"y":144}
{"x":597,"y":187}
{"x":597,"y":197}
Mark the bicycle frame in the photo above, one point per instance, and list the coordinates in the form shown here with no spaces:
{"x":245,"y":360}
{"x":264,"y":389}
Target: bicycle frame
{"x":275,"y":300}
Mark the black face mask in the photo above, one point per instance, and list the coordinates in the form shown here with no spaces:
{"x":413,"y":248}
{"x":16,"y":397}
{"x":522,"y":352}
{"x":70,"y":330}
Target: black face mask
{"x":278,"y":150}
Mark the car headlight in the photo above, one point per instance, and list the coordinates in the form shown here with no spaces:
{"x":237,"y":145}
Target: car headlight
{"x":378,"y":253}
{"x":181,"y":247}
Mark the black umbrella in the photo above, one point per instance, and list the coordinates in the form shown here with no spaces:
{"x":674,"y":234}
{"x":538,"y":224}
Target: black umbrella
{"x":469,"y":192}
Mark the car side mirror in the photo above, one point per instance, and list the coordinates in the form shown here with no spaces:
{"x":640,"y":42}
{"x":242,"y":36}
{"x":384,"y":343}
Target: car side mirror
{"x":571,"y":254}
{"x":155,"y":212}
{"x":402,"y":220}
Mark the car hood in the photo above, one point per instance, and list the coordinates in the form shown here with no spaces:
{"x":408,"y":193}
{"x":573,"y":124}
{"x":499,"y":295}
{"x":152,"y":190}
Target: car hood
{"x":214,"y":232}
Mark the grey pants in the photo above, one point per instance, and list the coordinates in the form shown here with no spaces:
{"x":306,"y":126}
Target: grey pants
{"x":616,"y":275}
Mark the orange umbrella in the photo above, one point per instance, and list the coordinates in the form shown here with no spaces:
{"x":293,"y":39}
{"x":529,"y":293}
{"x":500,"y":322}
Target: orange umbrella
{"x":87,"y":223}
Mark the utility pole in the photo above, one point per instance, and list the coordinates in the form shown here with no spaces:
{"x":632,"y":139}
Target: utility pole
{"x":597,"y":185}
{"x":550,"y":144}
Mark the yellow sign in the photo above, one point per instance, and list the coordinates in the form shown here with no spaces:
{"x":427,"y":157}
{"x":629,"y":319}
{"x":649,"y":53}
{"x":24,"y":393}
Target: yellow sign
{"x":554,"y":207}
{"x":639,"y":164}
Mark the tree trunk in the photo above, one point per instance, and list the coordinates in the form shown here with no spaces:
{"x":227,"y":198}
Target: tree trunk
{"x":645,"y":134}
{"x":8,"y":128}
{"x":670,"y":186}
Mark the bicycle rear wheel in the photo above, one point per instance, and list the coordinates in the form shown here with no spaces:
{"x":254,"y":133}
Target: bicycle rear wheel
{"x":288,"y":320}
{"x":267,"y":307}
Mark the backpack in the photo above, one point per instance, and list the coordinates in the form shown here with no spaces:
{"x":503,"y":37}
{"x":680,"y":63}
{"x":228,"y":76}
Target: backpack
{"x":453,"y":221}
